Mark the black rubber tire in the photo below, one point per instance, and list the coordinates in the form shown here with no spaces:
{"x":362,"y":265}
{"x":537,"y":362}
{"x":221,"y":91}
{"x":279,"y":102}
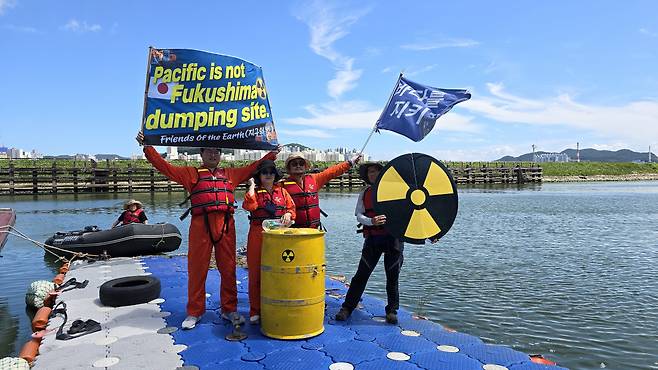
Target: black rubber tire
{"x":129,"y":290}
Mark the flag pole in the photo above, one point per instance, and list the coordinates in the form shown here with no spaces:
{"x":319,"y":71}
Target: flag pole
{"x":374,"y":128}
{"x":146,"y":87}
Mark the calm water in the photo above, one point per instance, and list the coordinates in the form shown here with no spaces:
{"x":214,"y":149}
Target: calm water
{"x":566,"y":270}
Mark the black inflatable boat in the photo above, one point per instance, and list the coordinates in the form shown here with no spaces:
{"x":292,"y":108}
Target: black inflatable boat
{"x":122,"y":241}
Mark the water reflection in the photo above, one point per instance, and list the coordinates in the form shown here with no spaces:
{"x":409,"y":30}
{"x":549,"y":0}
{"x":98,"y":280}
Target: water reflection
{"x":8,"y":329}
{"x":566,"y":270}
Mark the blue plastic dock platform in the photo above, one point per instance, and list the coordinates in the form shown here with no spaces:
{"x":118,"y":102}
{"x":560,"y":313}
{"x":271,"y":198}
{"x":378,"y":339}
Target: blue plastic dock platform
{"x":365,"y":341}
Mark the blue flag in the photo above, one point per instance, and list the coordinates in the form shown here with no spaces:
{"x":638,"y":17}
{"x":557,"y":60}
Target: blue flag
{"x":413,"y":108}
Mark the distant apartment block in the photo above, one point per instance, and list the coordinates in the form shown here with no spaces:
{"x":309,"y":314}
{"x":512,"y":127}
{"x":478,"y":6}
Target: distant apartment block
{"x":17,"y":153}
{"x":551,"y":157}
{"x":313,"y":155}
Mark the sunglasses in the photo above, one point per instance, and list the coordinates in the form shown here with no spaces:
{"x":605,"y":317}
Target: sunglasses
{"x":268,"y":172}
{"x":298,"y":163}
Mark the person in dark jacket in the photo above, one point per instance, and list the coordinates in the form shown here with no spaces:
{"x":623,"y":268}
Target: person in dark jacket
{"x":377,"y":242}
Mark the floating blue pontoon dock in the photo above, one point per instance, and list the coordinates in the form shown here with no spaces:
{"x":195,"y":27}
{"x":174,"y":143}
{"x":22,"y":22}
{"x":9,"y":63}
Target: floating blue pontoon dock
{"x":148,"y":336}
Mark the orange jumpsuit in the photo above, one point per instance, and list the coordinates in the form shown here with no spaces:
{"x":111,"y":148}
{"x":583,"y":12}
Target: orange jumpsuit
{"x":199,"y":243}
{"x":323,"y":177}
{"x":255,"y":242}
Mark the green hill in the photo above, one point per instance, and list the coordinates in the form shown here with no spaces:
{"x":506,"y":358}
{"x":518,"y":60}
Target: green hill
{"x":591,"y":155}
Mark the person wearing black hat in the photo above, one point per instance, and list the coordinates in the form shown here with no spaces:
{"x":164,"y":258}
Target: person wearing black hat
{"x":265,"y":200}
{"x":377,"y":241}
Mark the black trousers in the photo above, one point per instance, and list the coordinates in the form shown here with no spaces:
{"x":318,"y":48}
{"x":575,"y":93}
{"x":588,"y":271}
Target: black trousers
{"x":373,"y":247}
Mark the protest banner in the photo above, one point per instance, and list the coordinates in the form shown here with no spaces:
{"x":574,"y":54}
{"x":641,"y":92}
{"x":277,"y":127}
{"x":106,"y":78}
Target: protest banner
{"x":200,"y":99}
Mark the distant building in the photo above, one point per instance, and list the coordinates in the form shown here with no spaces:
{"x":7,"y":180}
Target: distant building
{"x":84,"y":157}
{"x":190,"y":157}
{"x":172,"y":152}
{"x":35,"y":155}
{"x":551,"y":157}
{"x":17,"y":153}
{"x":328,"y":155}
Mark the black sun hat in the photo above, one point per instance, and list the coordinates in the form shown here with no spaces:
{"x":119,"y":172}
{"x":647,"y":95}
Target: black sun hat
{"x":363,"y":170}
{"x":266,"y":164}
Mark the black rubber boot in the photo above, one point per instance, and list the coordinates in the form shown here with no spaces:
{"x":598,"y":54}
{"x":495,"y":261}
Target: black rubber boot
{"x":343,"y":314}
{"x":392,"y":318}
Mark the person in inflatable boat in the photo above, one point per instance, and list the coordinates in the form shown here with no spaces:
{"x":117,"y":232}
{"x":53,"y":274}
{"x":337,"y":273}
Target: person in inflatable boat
{"x":133,"y":212}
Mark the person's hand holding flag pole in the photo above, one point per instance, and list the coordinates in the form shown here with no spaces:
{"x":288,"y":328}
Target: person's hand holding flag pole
{"x":412,"y":109}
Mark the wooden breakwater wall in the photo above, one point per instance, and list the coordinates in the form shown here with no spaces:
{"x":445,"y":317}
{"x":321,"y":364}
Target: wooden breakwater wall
{"x":107,"y":177}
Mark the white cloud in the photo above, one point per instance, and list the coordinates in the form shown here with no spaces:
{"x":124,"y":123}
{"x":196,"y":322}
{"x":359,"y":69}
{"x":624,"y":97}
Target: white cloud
{"x":373,"y":52}
{"x":327,"y":25}
{"x":648,"y":32}
{"x":322,"y":134}
{"x":609,"y":146}
{"x":636,"y":120}
{"x":5,"y":4}
{"x":421,"y":70}
{"x":345,"y":80}
{"x":358,"y":114}
{"x":347,"y":119}
{"x":477,"y":154}
{"x":387,"y":69}
{"x":440,"y":44}
{"x":22,"y":29}
{"x":75,"y":26}
{"x":333,"y":115}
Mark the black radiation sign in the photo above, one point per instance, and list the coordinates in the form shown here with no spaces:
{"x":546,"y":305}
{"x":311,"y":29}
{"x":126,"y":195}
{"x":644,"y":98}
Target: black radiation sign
{"x":288,"y":255}
{"x":418,"y":196}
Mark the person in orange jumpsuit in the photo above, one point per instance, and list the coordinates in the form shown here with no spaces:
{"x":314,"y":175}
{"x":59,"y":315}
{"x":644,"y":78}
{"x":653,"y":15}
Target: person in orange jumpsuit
{"x":303,"y":187}
{"x":265,"y":200}
{"x":212,"y":225}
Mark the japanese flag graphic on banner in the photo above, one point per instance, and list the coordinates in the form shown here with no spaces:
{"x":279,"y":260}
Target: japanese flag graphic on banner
{"x":161,"y":90}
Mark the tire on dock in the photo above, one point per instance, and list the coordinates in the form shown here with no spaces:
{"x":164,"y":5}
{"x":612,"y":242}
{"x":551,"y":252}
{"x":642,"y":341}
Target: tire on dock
{"x":129,"y":290}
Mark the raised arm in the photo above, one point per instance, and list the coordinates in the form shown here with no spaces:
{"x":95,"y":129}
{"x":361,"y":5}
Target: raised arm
{"x":334,"y":171}
{"x":182,"y":175}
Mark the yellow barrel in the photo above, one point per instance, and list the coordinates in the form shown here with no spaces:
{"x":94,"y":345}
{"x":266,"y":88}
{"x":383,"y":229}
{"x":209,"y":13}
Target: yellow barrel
{"x":292,"y":283}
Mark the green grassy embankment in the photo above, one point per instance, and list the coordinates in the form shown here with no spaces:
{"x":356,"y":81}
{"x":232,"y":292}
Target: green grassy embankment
{"x":138,"y":163}
{"x":550,"y":169}
{"x":597,"y":168}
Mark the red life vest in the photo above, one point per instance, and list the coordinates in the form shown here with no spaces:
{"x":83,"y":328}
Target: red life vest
{"x":263,"y":197}
{"x":368,"y":204}
{"x":213,"y":192}
{"x":131,"y":217}
{"x":307,"y":202}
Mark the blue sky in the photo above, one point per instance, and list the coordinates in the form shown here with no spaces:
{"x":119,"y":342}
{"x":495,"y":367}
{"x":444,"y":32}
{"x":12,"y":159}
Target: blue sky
{"x":544,"y":73}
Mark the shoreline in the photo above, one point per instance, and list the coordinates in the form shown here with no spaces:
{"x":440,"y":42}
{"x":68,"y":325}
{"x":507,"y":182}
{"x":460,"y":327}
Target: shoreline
{"x":628,"y":177}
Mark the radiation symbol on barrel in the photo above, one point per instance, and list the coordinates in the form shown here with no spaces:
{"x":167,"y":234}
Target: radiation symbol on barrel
{"x":418,"y":196}
{"x":288,"y":255}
